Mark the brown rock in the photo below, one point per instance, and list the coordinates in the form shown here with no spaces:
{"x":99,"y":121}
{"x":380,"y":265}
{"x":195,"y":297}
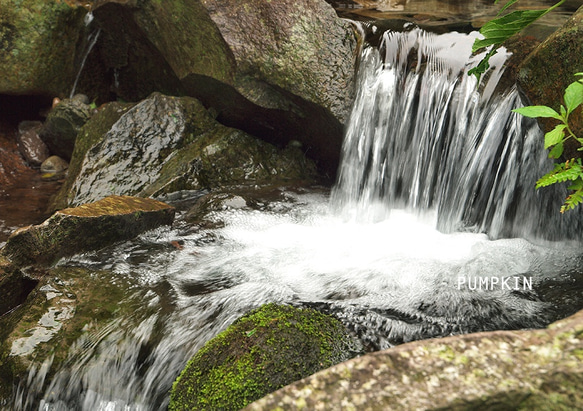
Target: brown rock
{"x":84,"y":228}
{"x":31,"y":146}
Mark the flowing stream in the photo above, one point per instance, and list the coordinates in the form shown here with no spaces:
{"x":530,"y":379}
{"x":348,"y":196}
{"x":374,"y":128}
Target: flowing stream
{"x":434,"y":228}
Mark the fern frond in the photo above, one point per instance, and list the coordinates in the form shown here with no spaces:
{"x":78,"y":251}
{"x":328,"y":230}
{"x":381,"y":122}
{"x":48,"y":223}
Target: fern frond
{"x":573,"y":200}
{"x":568,"y":171}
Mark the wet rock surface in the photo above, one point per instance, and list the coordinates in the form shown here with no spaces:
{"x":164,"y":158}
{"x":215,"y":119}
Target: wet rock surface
{"x":66,"y":303}
{"x":31,"y":146}
{"x":87,"y":227}
{"x":539,"y":369}
{"x":62,"y":125}
{"x":167,"y":144}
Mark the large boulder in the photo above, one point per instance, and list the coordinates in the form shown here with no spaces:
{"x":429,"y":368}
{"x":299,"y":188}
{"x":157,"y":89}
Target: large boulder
{"x":166,"y":144}
{"x":550,"y":68}
{"x":85,"y":228}
{"x":540,"y":369}
{"x":278,"y":70}
{"x":38,"y":46}
{"x":261,"y":352}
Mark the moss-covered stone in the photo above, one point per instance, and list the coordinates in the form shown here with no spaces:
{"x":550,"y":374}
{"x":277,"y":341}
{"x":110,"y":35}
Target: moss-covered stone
{"x":550,"y":68}
{"x":38,"y":45}
{"x":87,"y":227}
{"x":506,"y":370}
{"x":62,"y":125}
{"x":14,"y":286}
{"x":261,"y":352}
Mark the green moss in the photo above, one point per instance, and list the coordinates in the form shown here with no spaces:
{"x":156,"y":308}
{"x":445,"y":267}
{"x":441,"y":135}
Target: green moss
{"x":261,"y":352}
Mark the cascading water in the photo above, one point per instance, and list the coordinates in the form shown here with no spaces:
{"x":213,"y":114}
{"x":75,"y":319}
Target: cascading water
{"x":423,"y":150}
{"x":423,"y":137}
{"x":91,"y":41}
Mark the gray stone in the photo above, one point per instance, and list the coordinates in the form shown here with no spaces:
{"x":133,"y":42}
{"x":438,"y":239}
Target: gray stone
{"x":54,"y":165}
{"x":166,"y":144}
{"x":62,"y":125}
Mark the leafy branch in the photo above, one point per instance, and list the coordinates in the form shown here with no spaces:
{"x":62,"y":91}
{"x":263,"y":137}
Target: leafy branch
{"x":571,"y":170}
{"x":498,"y":30}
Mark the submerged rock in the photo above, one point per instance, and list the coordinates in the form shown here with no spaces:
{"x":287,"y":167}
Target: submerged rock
{"x":541,"y":369}
{"x":84,"y":228}
{"x":64,"y":317}
{"x":259,"y":353}
{"x":54,"y":167}
{"x":166,"y":144}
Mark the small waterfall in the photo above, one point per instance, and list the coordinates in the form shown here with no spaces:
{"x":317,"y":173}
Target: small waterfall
{"x":424,"y":136}
{"x":91,"y":41}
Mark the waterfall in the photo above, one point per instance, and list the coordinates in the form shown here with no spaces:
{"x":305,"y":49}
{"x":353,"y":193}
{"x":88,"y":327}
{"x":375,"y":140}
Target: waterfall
{"x":425,"y":137}
{"x":91,"y":41}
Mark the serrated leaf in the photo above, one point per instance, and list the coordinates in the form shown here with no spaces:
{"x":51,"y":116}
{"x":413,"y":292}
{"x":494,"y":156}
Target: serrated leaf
{"x":573,"y":200}
{"x":573,"y":96}
{"x":568,"y":171}
{"x":555,"y":136}
{"x":538,"y":111}
{"x":557,"y":151}
{"x":500,"y":29}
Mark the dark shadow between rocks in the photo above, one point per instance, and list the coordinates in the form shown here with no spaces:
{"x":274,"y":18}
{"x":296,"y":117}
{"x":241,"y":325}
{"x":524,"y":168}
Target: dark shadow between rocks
{"x":317,"y":130}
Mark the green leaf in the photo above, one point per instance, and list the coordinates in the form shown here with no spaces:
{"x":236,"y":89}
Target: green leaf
{"x":538,"y":111}
{"x":510,"y":3}
{"x":577,"y":185}
{"x":573,"y":200}
{"x":555,"y":136}
{"x":573,"y":96}
{"x":568,"y":171}
{"x":557,"y":151}
{"x":500,"y":29}
{"x":483,"y":65}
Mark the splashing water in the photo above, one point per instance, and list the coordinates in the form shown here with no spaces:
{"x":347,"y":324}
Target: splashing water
{"x":424,"y":150}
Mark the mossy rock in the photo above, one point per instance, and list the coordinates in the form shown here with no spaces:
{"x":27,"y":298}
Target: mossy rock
{"x":499,"y":370}
{"x":67,"y":303}
{"x":38,"y":46}
{"x":166,"y":144}
{"x":550,"y":68}
{"x":261,"y":352}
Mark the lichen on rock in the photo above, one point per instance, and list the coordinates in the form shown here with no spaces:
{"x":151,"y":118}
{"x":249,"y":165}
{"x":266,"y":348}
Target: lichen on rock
{"x":513,"y":370}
